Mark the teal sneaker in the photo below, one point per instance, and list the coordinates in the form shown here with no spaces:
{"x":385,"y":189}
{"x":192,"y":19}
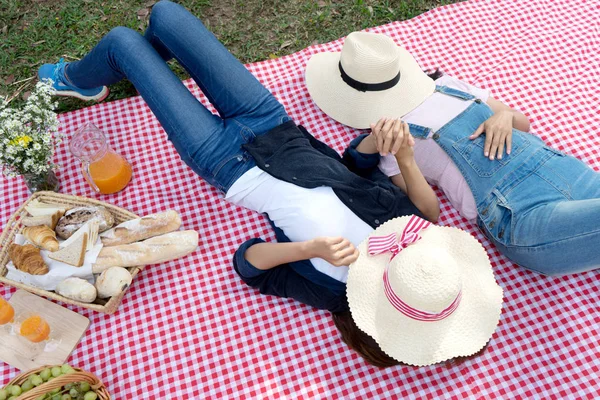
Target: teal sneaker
{"x":62,"y":86}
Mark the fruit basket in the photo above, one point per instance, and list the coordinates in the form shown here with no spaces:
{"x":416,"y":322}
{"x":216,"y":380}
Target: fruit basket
{"x":48,"y":380}
{"x":13,"y":227}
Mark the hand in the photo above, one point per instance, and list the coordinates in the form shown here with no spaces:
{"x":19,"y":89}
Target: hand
{"x":498,"y":133}
{"x":393,"y":135}
{"x":335,"y":250}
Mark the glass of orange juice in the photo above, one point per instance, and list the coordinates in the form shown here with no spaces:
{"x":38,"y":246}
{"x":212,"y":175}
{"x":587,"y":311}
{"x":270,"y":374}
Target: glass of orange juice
{"x":7,"y":312}
{"x":105,"y":170}
{"x":35,"y":329}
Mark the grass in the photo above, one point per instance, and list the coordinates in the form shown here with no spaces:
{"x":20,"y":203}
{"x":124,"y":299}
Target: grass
{"x":36,"y":31}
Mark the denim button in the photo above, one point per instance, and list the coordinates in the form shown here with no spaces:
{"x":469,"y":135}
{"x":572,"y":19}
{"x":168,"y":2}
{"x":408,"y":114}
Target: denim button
{"x":350,"y":200}
{"x":240,"y":158}
{"x":492,"y":224}
{"x":478,"y":101}
{"x":377,"y":221}
{"x":484,"y":212}
{"x":436,"y":136}
{"x":294,"y":178}
{"x":267,"y":165}
{"x":501,"y":234}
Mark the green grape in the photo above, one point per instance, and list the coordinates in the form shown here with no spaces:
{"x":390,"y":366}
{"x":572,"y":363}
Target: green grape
{"x":45,"y":374}
{"x":74,"y":392}
{"x":49,"y":379}
{"x":65,"y":367}
{"x":37,"y":380}
{"x":12,"y":398}
{"x":27,"y":386}
{"x":68,"y":386}
{"x":55,"y":391}
{"x":16,"y":390}
{"x":65,"y":397}
{"x":3,"y":394}
{"x":90,"y":396}
{"x":85,"y":387}
{"x":56,"y":371}
{"x":56,"y":397}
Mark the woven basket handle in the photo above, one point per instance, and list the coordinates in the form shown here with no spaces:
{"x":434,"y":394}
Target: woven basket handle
{"x":73,"y":377}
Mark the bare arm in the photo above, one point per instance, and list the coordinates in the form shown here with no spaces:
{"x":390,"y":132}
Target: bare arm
{"x":520,"y":121}
{"x":335,"y":250}
{"x":393,"y":136}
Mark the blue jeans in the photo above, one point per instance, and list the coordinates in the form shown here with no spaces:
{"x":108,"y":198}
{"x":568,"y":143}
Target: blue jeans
{"x":209,"y":144}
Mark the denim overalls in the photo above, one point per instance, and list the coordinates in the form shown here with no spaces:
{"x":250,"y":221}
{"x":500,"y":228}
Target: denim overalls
{"x":540,"y":207}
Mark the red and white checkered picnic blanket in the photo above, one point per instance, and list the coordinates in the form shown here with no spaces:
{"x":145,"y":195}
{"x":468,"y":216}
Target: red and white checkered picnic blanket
{"x":190,"y":329}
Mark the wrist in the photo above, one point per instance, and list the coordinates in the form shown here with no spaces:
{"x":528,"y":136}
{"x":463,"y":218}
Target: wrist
{"x":307,"y":248}
{"x":406,"y":162}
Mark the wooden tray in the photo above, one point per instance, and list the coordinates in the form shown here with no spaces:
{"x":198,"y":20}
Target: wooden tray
{"x":66,"y":329}
{"x":13,"y":227}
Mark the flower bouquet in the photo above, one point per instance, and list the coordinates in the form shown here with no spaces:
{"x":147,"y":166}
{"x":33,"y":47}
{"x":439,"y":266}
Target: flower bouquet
{"x":27,"y":139}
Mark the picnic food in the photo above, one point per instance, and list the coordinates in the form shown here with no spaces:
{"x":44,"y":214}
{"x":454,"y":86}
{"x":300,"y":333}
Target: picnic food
{"x":90,"y":228}
{"x":112,"y":282}
{"x":27,"y":259}
{"x":41,"y":236}
{"x":74,"y":253}
{"x":38,"y":208}
{"x":50,"y":220}
{"x":76,"y":217}
{"x":142,"y":228}
{"x":150,"y":251}
{"x":77,"y":289}
{"x":35,"y":329}
{"x":78,"y":385}
{"x":111,"y":173}
{"x":7,"y":312}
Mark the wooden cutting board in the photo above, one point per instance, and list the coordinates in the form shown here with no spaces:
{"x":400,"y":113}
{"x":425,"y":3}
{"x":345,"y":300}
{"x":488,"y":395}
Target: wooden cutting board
{"x":66,"y":329}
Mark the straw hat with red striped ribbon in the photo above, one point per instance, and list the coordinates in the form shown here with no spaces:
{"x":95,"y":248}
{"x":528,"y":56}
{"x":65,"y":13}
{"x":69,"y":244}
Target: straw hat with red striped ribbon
{"x":425,"y":293}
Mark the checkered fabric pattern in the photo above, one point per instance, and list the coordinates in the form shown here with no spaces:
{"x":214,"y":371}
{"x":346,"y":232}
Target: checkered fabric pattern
{"x":190,"y":329}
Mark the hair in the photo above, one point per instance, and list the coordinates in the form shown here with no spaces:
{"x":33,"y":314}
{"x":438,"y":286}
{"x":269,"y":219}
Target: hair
{"x":368,"y":348}
{"x":435,"y":74}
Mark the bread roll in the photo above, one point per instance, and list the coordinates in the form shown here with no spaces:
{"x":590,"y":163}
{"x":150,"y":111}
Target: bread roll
{"x":48,"y":220}
{"x":76,"y":217}
{"x":151,"y":251}
{"x":142,"y":228}
{"x":42,"y":236}
{"x":27,"y":259}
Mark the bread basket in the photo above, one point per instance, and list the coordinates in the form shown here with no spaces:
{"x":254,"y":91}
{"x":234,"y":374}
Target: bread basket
{"x":78,"y":376}
{"x":13,"y":227}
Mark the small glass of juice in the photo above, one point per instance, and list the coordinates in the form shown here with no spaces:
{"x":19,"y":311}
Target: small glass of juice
{"x":105,"y":170}
{"x":7,"y":312}
{"x":35,"y":329}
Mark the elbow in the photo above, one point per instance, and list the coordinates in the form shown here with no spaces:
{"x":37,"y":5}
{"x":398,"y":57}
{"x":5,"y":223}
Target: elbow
{"x":432,"y":215}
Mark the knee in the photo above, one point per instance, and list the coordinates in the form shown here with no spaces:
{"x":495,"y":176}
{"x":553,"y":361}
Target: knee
{"x":163,"y":11}
{"x":124,"y":38}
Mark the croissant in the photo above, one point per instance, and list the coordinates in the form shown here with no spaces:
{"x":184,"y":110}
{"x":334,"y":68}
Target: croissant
{"x":41,"y":236}
{"x":27,"y":259}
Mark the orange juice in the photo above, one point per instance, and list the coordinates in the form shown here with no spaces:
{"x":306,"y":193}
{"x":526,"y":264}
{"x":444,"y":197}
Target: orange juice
{"x":110,"y":173}
{"x":7,"y":312}
{"x":35,"y":328}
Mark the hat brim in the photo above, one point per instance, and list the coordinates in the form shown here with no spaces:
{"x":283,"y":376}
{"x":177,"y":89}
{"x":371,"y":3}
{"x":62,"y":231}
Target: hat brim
{"x":419,"y":343}
{"x":359,"y":109}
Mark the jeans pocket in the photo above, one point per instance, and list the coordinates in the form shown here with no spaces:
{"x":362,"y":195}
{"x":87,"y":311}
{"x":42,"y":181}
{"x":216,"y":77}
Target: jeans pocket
{"x":472,"y":151}
{"x":498,"y":219}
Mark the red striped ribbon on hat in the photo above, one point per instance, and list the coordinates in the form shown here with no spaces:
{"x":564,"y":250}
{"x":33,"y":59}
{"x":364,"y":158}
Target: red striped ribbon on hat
{"x":390,"y":243}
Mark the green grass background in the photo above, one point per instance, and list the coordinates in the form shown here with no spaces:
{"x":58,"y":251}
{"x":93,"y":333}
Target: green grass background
{"x":33,"y":32}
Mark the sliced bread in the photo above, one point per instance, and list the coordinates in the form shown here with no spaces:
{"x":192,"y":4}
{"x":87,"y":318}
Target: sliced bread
{"x":74,"y":253}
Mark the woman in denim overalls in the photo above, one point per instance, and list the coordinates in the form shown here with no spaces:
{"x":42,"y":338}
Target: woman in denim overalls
{"x":540,"y":207}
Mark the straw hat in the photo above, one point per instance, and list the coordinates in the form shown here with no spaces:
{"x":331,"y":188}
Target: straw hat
{"x":371,"y":78}
{"x":438,"y":299}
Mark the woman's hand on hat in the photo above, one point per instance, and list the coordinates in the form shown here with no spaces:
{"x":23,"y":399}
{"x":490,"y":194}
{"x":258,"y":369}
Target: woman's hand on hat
{"x":392,"y":135}
{"x":498,"y":134}
{"x":337,"y":251}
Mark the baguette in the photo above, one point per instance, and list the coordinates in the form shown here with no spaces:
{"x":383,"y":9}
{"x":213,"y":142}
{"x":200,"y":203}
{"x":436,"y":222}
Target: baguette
{"x":142,"y":228}
{"x":155,"y":250}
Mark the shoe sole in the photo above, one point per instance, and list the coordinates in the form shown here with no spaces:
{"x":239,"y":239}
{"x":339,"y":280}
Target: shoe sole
{"x":70,"y":93}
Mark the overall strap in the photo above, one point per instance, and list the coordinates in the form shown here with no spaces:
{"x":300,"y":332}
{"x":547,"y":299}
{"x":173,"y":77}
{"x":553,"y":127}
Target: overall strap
{"x":459,"y":94}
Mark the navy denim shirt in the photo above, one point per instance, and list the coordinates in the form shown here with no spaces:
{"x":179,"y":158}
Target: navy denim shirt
{"x":291,"y":154}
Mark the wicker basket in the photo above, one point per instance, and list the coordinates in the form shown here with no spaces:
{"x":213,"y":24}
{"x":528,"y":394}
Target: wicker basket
{"x":13,"y":227}
{"x":78,"y":376}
